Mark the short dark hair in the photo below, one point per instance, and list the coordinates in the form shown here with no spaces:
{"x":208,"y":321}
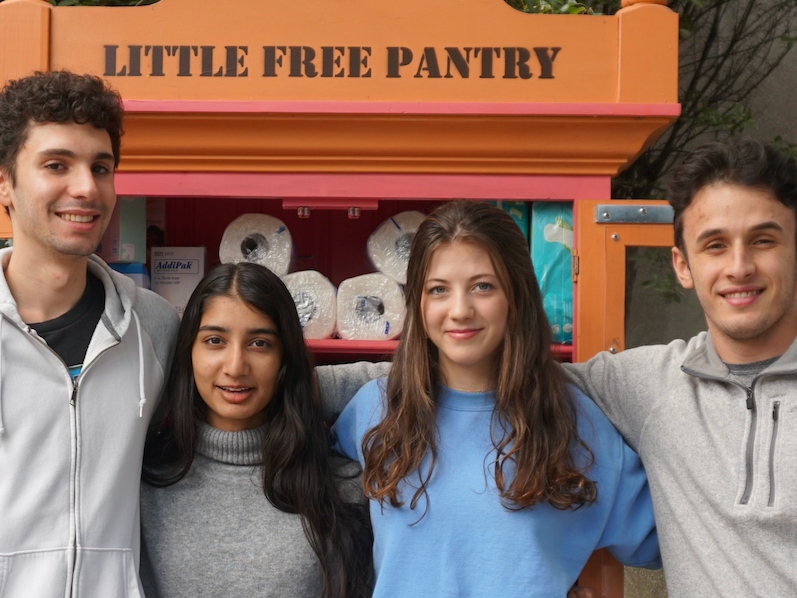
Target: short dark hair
{"x":745,"y":162}
{"x":59,"y":97}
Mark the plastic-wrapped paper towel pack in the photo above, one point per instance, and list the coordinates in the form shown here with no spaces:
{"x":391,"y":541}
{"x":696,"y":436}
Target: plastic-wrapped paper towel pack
{"x":389,"y":245}
{"x":370,"y":307}
{"x":316,"y":302}
{"x":257,"y":238}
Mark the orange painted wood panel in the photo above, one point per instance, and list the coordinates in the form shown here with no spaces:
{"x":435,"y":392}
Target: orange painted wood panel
{"x":600,"y":287}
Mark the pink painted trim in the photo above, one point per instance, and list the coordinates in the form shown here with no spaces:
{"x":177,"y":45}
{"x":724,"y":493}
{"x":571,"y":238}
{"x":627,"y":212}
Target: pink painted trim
{"x":463,"y":108}
{"x":362,"y":186}
{"x":326,"y":203}
{"x":335,"y":345}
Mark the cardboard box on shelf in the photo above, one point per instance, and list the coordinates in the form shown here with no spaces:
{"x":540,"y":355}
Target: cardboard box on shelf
{"x":176,"y":271}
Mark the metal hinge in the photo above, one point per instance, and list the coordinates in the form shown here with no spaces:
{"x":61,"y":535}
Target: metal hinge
{"x":574,"y":267}
{"x":633,"y":214}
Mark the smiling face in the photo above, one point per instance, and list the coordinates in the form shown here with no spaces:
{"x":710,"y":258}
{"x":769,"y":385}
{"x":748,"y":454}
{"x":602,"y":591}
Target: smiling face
{"x":63,"y":194}
{"x":742,"y":262}
{"x":465,"y":311}
{"x":236,"y":359}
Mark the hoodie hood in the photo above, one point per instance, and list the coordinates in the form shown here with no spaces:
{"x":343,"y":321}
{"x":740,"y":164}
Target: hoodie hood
{"x":117,"y":317}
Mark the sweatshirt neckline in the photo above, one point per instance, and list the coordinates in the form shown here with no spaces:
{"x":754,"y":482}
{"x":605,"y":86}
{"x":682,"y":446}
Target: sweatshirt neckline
{"x":235,"y":448}
{"x":460,"y":400}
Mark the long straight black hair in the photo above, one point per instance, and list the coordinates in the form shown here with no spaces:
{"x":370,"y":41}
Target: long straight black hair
{"x":297,"y":474}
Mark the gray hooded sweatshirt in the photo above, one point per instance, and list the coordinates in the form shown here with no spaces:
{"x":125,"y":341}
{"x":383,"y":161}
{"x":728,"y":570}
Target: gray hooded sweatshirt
{"x":70,"y":454}
{"x":721,"y":460}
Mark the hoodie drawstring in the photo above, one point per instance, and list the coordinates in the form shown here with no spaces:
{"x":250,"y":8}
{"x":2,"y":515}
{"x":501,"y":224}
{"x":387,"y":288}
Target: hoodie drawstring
{"x":2,"y":427}
{"x":142,"y":396}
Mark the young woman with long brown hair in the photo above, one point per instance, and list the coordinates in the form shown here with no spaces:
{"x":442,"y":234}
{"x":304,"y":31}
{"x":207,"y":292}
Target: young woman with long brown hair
{"x":243,"y":496}
{"x":488,"y":475}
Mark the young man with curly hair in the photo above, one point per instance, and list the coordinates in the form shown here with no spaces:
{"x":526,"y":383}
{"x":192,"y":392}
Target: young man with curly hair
{"x":83,"y":352}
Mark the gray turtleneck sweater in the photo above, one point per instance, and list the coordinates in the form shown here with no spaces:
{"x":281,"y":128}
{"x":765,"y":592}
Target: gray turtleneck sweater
{"x":215,"y":534}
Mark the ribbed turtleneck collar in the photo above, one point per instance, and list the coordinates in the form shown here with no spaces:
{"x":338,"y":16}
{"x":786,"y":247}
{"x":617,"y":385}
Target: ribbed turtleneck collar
{"x":235,"y":448}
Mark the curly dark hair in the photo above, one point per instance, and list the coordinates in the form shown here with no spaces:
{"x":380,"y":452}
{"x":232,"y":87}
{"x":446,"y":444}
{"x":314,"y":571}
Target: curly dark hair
{"x":745,"y":162}
{"x":59,"y":97}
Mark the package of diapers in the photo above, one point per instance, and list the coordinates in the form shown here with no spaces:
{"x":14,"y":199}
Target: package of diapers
{"x":551,"y":253}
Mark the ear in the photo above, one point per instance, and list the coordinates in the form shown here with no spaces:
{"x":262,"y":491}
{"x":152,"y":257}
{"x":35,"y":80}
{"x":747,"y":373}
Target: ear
{"x":5,"y":188}
{"x":681,"y":266}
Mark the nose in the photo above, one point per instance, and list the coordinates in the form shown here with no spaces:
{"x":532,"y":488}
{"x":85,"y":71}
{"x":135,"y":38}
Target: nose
{"x":235,"y":363}
{"x":83,"y":183}
{"x":741,"y":263}
{"x":461,"y":305}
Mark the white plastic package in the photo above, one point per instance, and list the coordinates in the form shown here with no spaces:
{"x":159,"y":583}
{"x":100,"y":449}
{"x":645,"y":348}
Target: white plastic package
{"x":389,"y":245}
{"x":257,"y":238}
{"x":370,"y":307}
{"x":316,"y":302}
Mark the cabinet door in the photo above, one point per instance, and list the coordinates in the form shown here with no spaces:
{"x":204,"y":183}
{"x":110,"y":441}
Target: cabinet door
{"x":627,"y":296}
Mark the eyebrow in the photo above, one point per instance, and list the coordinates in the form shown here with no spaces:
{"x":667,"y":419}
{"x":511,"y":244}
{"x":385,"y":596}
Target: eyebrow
{"x":212,"y":328}
{"x":769,"y":225}
{"x":70,"y":154}
{"x":475,"y":277}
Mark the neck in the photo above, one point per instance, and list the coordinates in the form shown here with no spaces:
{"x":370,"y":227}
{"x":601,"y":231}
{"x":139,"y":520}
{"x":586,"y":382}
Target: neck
{"x":752,"y":350}
{"x":467,"y":379}
{"x":44,"y":291}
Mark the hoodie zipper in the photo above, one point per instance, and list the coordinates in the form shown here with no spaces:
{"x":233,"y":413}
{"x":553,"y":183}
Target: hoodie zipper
{"x":73,"y":483}
{"x":748,"y":484}
{"x":775,"y":420}
{"x":74,"y":458}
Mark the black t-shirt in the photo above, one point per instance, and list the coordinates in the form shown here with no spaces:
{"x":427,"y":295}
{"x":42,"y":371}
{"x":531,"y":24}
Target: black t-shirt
{"x":69,"y":335}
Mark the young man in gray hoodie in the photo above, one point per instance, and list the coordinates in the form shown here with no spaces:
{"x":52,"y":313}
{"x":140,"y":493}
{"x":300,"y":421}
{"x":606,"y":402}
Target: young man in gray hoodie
{"x":83,"y":352}
{"x":714,"y":418}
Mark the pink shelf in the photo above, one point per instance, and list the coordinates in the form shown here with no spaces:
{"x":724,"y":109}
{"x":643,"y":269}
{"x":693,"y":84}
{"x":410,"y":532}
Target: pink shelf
{"x":336,"y":345}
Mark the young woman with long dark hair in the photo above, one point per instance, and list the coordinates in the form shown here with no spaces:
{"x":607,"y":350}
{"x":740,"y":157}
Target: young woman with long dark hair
{"x":488,"y":475}
{"x":243,"y":496}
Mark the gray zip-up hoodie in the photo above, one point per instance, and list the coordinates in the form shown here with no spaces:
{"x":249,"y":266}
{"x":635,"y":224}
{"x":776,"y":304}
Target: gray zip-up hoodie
{"x":721,"y":460}
{"x":70,"y":455}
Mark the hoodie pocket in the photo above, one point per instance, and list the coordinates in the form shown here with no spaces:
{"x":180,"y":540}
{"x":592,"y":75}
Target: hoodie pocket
{"x":107,"y":572}
{"x":3,"y":573}
{"x":772,"y":447}
{"x":35,"y":573}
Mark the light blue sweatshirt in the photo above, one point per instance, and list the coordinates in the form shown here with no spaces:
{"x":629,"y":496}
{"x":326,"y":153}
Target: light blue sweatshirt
{"x":467,"y":543}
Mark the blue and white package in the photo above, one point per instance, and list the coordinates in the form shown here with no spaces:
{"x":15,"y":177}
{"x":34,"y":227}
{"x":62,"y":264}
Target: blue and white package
{"x":138,"y":272}
{"x":519,"y":210}
{"x":551,"y":253}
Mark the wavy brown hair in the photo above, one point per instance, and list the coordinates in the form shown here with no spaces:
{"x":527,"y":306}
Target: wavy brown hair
{"x":534,"y":420}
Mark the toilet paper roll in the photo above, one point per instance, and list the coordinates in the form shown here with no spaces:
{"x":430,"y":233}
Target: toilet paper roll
{"x":316,"y":302}
{"x":370,"y":307}
{"x":257,"y":238}
{"x":389,"y":245}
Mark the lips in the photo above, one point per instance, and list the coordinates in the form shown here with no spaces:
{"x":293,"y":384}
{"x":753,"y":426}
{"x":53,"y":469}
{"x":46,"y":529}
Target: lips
{"x":77,"y":217}
{"x":741,"y":297}
{"x":463,"y":335}
{"x":235,"y":394}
